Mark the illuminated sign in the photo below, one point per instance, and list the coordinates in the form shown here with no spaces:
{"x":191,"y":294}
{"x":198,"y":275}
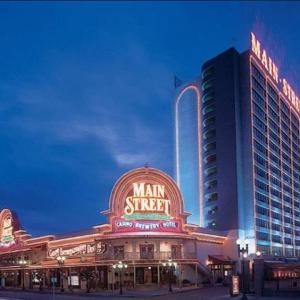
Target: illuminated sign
{"x":122,"y":225}
{"x":7,"y":231}
{"x":147,"y":201}
{"x":235,"y":286}
{"x":272,"y":69}
{"x":7,"y":237}
{"x":74,"y":251}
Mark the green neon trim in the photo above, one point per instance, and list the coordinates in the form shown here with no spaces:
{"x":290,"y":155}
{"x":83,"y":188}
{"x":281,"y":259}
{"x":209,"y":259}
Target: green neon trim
{"x":147,"y":216}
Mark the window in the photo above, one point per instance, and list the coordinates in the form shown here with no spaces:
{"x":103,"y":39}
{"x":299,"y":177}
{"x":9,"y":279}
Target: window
{"x":260,"y":137}
{"x":176,"y":251}
{"x":260,"y":160}
{"x":272,"y":92}
{"x":207,"y":97}
{"x":258,"y":99}
{"x":276,"y":238}
{"x":257,"y":74}
{"x":212,"y":211}
{"x":262,"y":210}
{"x":211,"y":171}
{"x":262,"y":223}
{"x":258,"y":87}
{"x":207,"y":84}
{"x":276,"y":215}
{"x":261,"y":173}
{"x":212,"y":197}
{"x":261,"y":148}
{"x":147,"y":251}
{"x":258,"y":111}
{"x":261,"y":197}
{"x":207,"y":72}
{"x":210,"y":159}
{"x":212,"y":224}
{"x":211,"y":184}
{"x":276,"y":227}
{"x":210,"y":146}
{"x":209,"y":109}
{"x":209,"y":134}
{"x":118,"y":252}
{"x":262,"y":236}
{"x":209,"y":121}
{"x":260,"y":124}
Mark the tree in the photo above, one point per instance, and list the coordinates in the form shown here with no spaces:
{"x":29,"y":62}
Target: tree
{"x":88,"y":275}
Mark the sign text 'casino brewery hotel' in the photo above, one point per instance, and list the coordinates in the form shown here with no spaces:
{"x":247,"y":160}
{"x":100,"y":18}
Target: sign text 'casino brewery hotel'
{"x":146,"y":200}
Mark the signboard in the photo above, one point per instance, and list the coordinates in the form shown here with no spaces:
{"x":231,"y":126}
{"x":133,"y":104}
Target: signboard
{"x":235,"y":286}
{"x":72,"y":251}
{"x":7,"y":228}
{"x":73,"y":280}
{"x":122,"y":225}
{"x":272,"y":70}
{"x":146,"y":200}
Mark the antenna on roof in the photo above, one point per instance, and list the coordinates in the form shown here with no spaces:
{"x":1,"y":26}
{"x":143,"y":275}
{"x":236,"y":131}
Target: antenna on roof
{"x":177,"y":82}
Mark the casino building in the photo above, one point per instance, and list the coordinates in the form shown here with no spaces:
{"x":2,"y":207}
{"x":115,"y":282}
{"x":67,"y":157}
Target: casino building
{"x":239,"y":124}
{"x":146,"y":233}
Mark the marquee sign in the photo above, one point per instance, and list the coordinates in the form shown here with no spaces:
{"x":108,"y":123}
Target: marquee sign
{"x":146,"y":200}
{"x":271,"y":68}
{"x":72,"y":251}
{"x":7,"y":228}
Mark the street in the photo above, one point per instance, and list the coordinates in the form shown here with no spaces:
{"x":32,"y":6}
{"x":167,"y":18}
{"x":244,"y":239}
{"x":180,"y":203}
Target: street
{"x":201,"y":294}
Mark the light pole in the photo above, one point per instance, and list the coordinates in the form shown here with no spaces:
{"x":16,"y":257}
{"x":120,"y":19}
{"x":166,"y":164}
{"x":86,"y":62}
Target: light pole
{"x":23,"y":264}
{"x":120,"y":266}
{"x":61,"y":261}
{"x":170,"y":264}
{"x":243,"y":249}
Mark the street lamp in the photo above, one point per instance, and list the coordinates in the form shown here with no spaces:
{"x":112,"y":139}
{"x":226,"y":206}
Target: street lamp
{"x":23,"y":263}
{"x":61,"y":261}
{"x":120,"y":266}
{"x":243,"y":249}
{"x":170,"y":264}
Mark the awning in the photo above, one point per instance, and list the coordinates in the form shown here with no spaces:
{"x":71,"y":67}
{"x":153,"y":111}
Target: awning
{"x":221,"y":260}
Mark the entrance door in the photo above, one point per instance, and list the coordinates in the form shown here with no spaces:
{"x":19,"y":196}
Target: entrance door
{"x":140,"y":275}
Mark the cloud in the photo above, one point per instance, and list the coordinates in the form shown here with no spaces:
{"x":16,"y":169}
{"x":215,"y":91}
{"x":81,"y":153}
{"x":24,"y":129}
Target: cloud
{"x":130,"y":159}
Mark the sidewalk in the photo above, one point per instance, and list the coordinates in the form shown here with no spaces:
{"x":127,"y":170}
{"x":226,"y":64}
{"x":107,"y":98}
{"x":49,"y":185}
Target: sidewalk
{"x":107,"y":294}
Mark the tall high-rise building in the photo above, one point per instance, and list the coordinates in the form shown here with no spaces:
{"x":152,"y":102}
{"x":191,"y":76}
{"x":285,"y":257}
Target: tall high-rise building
{"x":248,"y":140}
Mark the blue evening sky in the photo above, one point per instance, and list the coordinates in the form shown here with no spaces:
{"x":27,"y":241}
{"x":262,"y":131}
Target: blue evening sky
{"x":86,"y":92}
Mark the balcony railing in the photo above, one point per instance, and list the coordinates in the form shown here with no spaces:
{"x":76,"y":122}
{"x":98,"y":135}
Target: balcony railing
{"x":146,"y":256}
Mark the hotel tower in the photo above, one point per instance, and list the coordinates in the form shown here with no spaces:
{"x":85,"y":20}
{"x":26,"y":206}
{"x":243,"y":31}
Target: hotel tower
{"x":237,"y":150}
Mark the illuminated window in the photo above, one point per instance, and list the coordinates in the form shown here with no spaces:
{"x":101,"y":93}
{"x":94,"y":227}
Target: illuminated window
{"x":212,"y":224}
